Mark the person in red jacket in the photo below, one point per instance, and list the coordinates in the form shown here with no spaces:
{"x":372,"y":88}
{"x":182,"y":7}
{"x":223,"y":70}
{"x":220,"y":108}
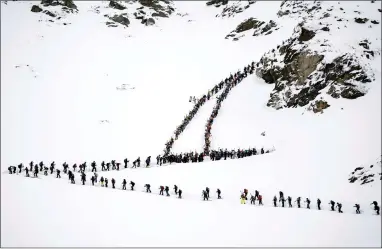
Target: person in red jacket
{"x":245,"y":193}
{"x":260,"y":198}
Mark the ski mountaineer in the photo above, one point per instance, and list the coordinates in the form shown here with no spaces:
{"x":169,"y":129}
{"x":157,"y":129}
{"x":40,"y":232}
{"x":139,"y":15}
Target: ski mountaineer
{"x":113,"y":182}
{"x":205,"y":195}
{"x":332,"y":203}
{"x":275,"y":201}
{"x":219,"y":193}
{"x":290,"y":201}
{"x":260,"y":198}
{"x":357,"y":206}
{"x":147,"y":186}
{"x":180,"y":194}
{"x":132,"y":185}
{"x":124,"y":184}
{"x":242,"y":198}
{"x":282,"y":201}
{"x":58,"y":173}
{"x":208,"y":192}
{"x":339,"y":205}
{"x":298,"y":200}
{"x":92,"y":179}
{"x":176,"y":189}
{"x":106,"y":182}
{"x":166,"y":189}
{"x":102,"y":181}
{"x":318,"y":204}
{"x":307,"y":203}
{"x":161,"y":188}
{"x":253,"y":200}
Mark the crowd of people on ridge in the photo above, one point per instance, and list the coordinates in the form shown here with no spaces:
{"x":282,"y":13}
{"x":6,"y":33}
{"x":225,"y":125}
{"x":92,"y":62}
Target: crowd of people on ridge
{"x":228,"y":83}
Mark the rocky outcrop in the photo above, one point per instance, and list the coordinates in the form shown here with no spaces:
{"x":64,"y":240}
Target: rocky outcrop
{"x":361,"y":20}
{"x":366,"y":174}
{"x":259,"y":27}
{"x":121,"y":19}
{"x":116,"y":5}
{"x":68,"y":5}
{"x":36,"y":8}
{"x":162,"y":8}
{"x":231,"y":8}
{"x":300,"y":74}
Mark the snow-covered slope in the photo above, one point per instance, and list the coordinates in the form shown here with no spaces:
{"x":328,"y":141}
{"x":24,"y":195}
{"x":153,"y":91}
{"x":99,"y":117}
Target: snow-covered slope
{"x":62,"y":101}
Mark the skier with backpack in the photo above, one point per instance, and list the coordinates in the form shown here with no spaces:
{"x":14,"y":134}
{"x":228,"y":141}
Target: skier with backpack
{"x":147,"y":186}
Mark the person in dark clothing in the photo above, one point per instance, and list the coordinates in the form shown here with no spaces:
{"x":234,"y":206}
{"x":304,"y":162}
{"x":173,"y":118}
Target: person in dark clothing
{"x":26,"y":172}
{"x":161,"y":188}
{"x":52,"y":167}
{"x":20,"y":166}
{"x":318,"y":204}
{"x":253,"y":199}
{"x":219,"y":192}
{"x":275,"y":201}
{"x":205,"y":195}
{"x":139,"y":162}
{"x":260,"y":198}
{"x":112,"y":182}
{"x":357,"y":211}
{"x":376,"y":207}
{"x":93,"y":164}
{"x":103,"y":166}
{"x":208,"y":192}
{"x":167,"y":189}
{"x":298,"y":200}
{"x":176,"y":189}
{"x":290,"y":201}
{"x":92,"y":179}
{"x":13,"y":169}
{"x":45,"y":170}
{"x":58,"y":173}
{"x":95,"y":177}
{"x":117,"y":165}
{"x":41,"y":164}
{"x":339,"y":205}
{"x":180,"y":194}
{"x":124,"y":184}
{"x":262,"y":151}
{"x":72,"y":179}
{"x":125,"y":161}
{"x":134,"y":164}
{"x":148,"y":161}
{"x":282,"y":201}
{"x":147,"y":186}
{"x":74,"y":167}
{"x":31,"y":166}
{"x":132,"y":184}
{"x":332,"y":203}
{"x":102,"y":181}
{"x":256,"y":194}
{"x":281,"y":194}
{"x":83,"y":178}
{"x":108,"y":166}
{"x":112,"y":164}
{"x":10,"y":170}
{"x":106,"y":182}
{"x":307,"y":203}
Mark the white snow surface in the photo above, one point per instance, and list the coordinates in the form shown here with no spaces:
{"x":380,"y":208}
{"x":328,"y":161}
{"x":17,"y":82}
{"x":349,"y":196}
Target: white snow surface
{"x":59,"y":82}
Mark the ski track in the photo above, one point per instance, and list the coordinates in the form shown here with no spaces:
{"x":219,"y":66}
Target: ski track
{"x":59,"y":82}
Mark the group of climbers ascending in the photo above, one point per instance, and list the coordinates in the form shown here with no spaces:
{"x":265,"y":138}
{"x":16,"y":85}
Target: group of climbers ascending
{"x":282,"y":199}
{"x":104,"y":182}
{"x":228,"y":83}
{"x":216,"y":155}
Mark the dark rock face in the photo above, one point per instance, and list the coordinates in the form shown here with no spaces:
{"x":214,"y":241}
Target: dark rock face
{"x":159,"y":14}
{"x":49,"y":13}
{"x":361,"y":20}
{"x":351,"y":93}
{"x":306,"y":34}
{"x":302,"y":75}
{"x":325,"y":29}
{"x":217,"y":3}
{"x":116,"y":5}
{"x":148,"y":22}
{"x":120,"y":19}
{"x":319,"y":106}
{"x":66,"y":3}
{"x":374,"y":22}
{"x":248,"y":24}
{"x":36,"y":9}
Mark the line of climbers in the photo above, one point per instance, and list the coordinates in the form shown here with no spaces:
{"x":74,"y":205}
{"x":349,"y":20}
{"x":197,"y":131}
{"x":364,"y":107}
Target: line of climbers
{"x":199,"y":102}
{"x":104,"y":182}
{"x":282,"y":199}
{"x":114,"y":165}
{"x":229,"y":83}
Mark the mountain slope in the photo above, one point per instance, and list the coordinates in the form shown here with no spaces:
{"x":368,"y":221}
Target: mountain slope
{"x":62,"y":101}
